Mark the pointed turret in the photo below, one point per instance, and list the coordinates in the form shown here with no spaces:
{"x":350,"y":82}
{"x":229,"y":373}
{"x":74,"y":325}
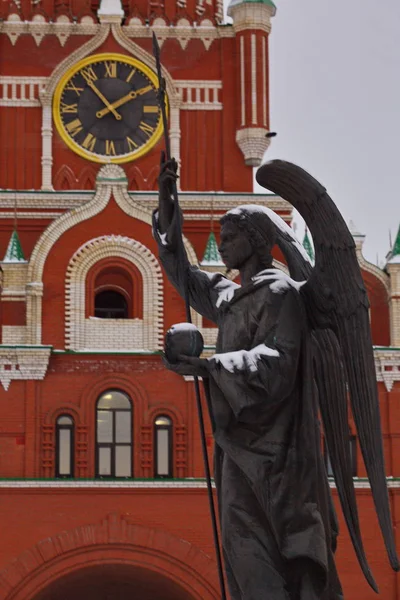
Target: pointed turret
{"x":308,"y":246}
{"x":14,"y":251}
{"x":394,"y":256}
{"x":393,"y":268}
{"x":212,"y":257}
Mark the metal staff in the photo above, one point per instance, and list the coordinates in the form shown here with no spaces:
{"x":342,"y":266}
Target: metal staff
{"x":181,"y":250}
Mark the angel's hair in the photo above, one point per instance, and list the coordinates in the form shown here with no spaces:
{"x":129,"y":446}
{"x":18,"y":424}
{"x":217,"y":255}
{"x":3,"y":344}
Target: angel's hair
{"x":259,"y":229}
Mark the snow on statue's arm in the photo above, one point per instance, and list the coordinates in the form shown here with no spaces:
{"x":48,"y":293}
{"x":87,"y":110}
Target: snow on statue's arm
{"x":203,"y":296}
{"x":267,"y":373}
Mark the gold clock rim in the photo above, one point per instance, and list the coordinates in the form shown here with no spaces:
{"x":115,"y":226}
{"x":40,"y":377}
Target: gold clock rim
{"x":98,"y":158}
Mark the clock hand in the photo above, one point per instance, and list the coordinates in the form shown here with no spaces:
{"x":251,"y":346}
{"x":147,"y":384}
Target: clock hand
{"x":104,"y":100}
{"x":116,"y":104}
{"x":131,"y":96}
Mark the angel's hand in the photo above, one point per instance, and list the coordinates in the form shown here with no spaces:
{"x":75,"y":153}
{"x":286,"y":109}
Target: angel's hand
{"x":166,"y":182}
{"x":189,"y":365}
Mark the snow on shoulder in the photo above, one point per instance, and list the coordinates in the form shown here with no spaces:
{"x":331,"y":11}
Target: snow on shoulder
{"x":225,"y":288}
{"x":244,"y":359}
{"x":279,"y":223}
{"x":280,"y":282}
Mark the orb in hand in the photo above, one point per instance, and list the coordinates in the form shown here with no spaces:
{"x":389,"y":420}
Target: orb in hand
{"x":183,"y":338}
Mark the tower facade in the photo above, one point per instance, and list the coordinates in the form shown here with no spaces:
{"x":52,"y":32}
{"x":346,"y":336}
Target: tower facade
{"x":101,"y":478}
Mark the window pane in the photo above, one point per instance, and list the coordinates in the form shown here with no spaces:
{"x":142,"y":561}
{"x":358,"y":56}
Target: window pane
{"x":64,"y":449}
{"x":123,"y":461}
{"x":104,"y":426}
{"x":104,"y":461}
{"x":163,"y":421}
{"x":65,"y":421}
{"x":114,"y":399}
{"x":162,"y":452}
{"x":123,"y":426}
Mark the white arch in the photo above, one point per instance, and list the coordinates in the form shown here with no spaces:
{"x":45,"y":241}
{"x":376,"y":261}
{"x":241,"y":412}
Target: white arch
{"x":126,"y":334}
{"x":111,"y":181}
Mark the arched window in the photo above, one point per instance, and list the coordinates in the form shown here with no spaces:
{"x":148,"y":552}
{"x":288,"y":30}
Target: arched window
{"x":110,"y":304}
{"x":353,"y":457}
{"x":162,"y":447}
{"x":114,"y":435}
{"x":64,"y":446}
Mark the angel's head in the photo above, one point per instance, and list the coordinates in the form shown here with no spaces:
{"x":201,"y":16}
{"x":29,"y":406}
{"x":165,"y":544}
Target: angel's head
{"x":246,"y":231}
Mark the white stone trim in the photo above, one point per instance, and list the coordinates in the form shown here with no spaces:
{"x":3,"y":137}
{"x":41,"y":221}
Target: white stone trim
{"x":253,"y":143}
{"x":359,"y":484}
{"x":206,"y":203}
{"x":21,"y":91}
{"x":242,"y":83}
{"x":30,"y":215}
{"x":23,"y":363}
{"x":128,"y":334}
{"x":38,"y":28}
{"x":264,"y":79}
{"x":200,"y":95}
{"x":387,"y":365}
{"x":251,"y":15}
{"x":253,"y":79}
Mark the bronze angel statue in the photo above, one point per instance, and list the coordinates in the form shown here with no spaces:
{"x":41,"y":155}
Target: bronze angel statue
{"x":289,"y":350}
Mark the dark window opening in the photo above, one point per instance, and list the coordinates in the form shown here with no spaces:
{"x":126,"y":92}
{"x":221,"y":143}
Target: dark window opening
{"x":64,"y":447}
{"x":162,"y":447}
{"x":110,"y":304}
{"x":114,"y":435}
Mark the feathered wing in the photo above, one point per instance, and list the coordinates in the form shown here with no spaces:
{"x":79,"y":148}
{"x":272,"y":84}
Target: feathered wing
{"x":337,"y":307}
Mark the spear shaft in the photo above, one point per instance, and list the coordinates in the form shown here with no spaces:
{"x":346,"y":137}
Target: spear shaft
{"x":181,"y":251}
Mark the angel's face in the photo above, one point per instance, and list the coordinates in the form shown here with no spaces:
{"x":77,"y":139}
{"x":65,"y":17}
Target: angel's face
{"x":235,"y":247}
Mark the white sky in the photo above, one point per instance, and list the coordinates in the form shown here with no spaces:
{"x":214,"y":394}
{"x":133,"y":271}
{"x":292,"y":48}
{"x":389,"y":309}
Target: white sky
{"x":335,"y":104}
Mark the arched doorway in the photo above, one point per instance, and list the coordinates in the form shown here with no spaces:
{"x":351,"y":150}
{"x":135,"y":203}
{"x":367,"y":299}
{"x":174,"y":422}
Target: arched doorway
{"x":114,"y":582}
{"x":114,"y":559}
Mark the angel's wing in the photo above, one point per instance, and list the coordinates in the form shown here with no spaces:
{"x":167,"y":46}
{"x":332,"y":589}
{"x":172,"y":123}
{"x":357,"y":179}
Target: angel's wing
{"x":337,"y":307}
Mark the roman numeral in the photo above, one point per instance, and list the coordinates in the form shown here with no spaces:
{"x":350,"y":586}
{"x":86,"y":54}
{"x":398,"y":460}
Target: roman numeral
{"x":74,"y":127}
{"x":68,"y":108}
{"x":72,"y":87}
{"x":132,"y":145}
{"x":88,"y":74}
{"x":89,"y":142}
{"x":110,"y":148}
{"x":146,"y":128}
{"x":111,"y":69}
{"x":150,"y":109}
{"x":131,"y":74}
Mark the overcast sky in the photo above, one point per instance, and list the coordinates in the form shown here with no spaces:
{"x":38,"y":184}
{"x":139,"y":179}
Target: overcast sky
{"x":335,"y":103}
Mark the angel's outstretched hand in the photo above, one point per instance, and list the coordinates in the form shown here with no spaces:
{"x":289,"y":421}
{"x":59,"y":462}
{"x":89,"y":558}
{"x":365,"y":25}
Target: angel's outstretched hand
{"x":189,"y":365}
{"x":166,"y":181}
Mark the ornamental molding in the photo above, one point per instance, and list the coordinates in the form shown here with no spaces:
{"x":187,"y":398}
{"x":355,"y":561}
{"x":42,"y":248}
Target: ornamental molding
{"x":23,"y":363}
{"x":111,"y":182}
{"x":92,"y":333}
{"x":21,"y":91}
{"x":251,"y":15}
{"x":207,"y":204}
{"x":200,"y":95}
{"x":387,"y":365}
{"x":63,"y":28}
{"x":38,"y":28}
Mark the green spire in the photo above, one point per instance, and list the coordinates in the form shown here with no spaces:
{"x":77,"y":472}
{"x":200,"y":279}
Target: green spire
{"x":211,"y":255}
{"x":14,"y":251}
{"x":396,"y":247}
{"x":308,"y":246}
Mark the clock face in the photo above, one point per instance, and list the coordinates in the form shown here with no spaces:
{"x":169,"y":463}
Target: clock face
{"x":105,"y":108}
